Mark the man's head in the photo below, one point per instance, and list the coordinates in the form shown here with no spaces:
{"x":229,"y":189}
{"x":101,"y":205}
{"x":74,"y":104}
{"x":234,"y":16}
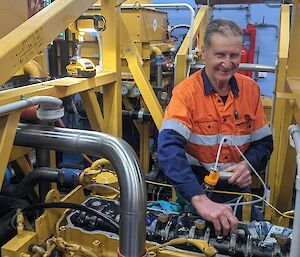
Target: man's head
{"x":223,"y":41}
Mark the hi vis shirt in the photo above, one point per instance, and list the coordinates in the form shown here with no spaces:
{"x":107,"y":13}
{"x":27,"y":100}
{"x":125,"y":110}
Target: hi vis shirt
{"x":199,"y":115}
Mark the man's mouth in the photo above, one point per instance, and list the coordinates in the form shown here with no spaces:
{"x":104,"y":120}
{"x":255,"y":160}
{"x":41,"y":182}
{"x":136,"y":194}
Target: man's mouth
{"x":224,"y":71}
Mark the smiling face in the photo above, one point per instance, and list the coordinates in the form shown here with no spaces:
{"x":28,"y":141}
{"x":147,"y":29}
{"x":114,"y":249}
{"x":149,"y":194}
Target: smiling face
{"x":222,"y":57}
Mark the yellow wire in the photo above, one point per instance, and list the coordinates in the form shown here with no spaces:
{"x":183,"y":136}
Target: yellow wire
{"x":158,"y":184}
{"x":253,"y":195}
{"x":289,"y":212}
{"x":285,"y":214}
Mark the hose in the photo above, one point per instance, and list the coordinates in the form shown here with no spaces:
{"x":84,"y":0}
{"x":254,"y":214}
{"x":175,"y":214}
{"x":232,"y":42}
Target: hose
{"x":202,"y":245}
{"x":33,"y":178}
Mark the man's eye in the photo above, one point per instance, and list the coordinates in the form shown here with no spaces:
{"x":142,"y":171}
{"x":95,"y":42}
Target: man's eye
{"x":220,"y":55}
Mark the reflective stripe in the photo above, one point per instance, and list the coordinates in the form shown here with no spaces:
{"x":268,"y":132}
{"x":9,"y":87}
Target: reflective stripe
{"x":198,"y":139}
{"x":212,"y":140}
{"x":193,"y":161}
{"x":261,"y":133}
{"x":177,"y":126}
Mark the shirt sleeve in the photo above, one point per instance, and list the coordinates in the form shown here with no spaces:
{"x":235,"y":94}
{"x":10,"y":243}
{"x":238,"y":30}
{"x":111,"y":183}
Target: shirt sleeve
{"x":261,"y":147}
{"x":173,"y":161}
{"x":259,"y":153}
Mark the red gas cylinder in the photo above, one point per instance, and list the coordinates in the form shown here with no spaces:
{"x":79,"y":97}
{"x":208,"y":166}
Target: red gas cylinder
{"x":244,"y":55}
{"x":244,"y":59}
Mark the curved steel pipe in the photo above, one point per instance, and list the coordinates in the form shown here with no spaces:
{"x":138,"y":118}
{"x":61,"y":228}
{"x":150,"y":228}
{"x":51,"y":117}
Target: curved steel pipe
{"x":172,"y":6}
{"x":47,"y":101}
{"x":166,"y":6}
{"x":132,"y":183}
{"x":295,"y":245}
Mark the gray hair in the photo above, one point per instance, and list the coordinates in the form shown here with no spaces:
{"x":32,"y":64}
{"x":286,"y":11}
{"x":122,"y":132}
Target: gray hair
{"x":222,"y":27}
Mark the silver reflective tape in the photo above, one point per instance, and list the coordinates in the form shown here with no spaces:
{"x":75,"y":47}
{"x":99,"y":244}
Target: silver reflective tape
{"x":261,"y":133}
{"x":178,"y":127}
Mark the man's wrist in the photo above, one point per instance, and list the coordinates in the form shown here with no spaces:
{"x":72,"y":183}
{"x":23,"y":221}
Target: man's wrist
{"x":199,"y":198}
{"x":245,"y":164}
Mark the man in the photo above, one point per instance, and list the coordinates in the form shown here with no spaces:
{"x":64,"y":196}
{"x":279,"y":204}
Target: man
{"x":213,"y":103}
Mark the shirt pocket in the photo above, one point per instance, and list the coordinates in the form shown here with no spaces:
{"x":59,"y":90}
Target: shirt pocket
{"x":206,"y":126}
{"x":244,"y":125}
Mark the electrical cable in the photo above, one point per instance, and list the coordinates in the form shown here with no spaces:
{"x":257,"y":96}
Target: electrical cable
{"x":285,"y":213}
{"x":253,"y":195}
{"x":255,"y":172}
{"x":59,"y":221}
{"x":188,"y":70}
{"x":232,"y":200}
{"x":219,"y":152}
{"x":158,"y":184}
{"x":260,"y":179}
{"x":237,"y":204}
{"x":99,"y":39}
{"x":259,"y":198}
{"x":70,"y":206}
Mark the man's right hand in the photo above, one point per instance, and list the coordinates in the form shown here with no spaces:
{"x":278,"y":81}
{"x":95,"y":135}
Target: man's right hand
{"x":219,"y":214}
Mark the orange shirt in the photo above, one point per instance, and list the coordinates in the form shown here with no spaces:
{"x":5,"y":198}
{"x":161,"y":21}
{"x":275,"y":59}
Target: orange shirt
{"x":200,"y":116}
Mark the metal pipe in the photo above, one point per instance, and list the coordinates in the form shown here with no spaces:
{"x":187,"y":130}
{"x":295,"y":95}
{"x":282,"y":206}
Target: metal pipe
{"x":243,"y":66}
{"x":159,"y":75}
{"x":132,"y":183}
{"x":34,"y":177}
{"x":213,"y":2}
{"x":295,"y":245}
{"x":172,"y":6}
{"x":179,"y":26}
{"x":267,"y":25}
{"x":140,"y":115}
{"x":49,"y":101}
{"x":43,"y":160}
{"x":167,"y":6}
{"x":219,"y":8}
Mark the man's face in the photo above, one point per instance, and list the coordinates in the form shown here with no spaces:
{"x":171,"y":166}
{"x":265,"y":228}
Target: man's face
{"x":222,"y":58}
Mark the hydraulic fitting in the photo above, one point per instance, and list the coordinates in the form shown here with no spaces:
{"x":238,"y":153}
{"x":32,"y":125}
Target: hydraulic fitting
{"x":212,"y":179}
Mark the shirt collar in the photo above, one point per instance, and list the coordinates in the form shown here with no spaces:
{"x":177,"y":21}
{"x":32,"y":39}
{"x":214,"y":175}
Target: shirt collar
{"x":208,"y":87}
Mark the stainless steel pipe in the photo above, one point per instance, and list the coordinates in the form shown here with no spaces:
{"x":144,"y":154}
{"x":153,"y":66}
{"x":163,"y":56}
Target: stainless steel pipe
{"x":123,"y":158}
{"x":165,"y":6}
{"x":48,"y":101}
{"x":243,"y":66}
{"x":295,"y":245}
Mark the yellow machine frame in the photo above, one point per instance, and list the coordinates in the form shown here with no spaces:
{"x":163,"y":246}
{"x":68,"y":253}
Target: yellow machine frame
{"x":31,"y":38}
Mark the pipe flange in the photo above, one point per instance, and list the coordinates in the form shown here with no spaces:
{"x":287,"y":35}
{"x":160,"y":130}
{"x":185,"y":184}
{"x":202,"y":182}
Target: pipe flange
{"x":141,"y":114}
{"x":51,"y":114}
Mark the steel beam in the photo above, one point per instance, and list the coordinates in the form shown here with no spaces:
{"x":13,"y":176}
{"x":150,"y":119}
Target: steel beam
{"x":112,"y":93}
{"x":58,"y":88}
{"x":282,"y":109}
{"x":93,"y":110}
{"x":32,"y":37}
{"x":200,"y":23}
{"x":286,"y":168}
{"x":135,"y":63}
{"x":8,"y":125}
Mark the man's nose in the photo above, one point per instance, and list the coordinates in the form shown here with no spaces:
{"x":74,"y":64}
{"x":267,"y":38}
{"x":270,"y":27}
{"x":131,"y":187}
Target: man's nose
{"x":227,"y":62}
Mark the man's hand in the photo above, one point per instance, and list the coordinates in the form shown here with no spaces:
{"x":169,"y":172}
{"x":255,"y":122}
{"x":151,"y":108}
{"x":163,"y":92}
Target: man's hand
{"x":241,"y":176}
{"x":219,"y":214}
